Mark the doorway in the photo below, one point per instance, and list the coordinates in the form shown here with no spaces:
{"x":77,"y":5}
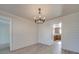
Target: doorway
{"x":4,"y":35}
{"x":57,"y":46}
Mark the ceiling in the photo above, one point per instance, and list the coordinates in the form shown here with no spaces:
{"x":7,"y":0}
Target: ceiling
{"x":28,"y":11}
{"x":70,"y":8}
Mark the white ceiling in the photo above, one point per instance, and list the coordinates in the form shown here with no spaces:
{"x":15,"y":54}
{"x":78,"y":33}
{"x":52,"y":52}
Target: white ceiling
{"x":70,"y":8}
{"x":28,"y":11}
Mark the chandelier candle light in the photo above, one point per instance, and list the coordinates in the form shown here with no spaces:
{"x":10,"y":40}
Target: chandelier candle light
{"x":39,"y":19}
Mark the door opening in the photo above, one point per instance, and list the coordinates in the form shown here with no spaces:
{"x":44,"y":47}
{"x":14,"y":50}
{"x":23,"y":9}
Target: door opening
{"x":4,"y":36}
{"x":57,"y":46}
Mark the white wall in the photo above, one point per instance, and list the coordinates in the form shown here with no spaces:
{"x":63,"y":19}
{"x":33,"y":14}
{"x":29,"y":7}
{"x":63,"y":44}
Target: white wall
{"x":46,"y":31}
{"x":24,"y":33}
{"x":71,"y":32}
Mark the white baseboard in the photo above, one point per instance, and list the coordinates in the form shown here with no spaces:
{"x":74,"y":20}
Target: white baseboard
{"x":14,"y":49}
{"x":70,"y":51}
{"x":45,"y":43}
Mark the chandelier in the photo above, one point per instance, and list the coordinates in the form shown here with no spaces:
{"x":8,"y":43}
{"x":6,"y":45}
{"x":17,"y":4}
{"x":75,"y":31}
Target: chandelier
{"x":39,"y":19}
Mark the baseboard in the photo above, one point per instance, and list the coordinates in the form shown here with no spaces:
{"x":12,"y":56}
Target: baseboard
{"x":44,"y":43}
{"x":23,"y":47}
{"x":69,"y":51}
